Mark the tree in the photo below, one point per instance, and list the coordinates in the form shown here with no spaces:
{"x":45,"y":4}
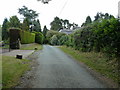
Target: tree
{"x":98,"y":15}
{"x":45,"y":31}
{"x":87,"y":22}
{"x":56,"y":24}
{"x":14,"y":22}
{"x":5,"y":27}
{"x":39,"y":38}
{"x":25,"y":24}
{"x":44,"y":1}
{"x":0,"y":33}
{"x":37,"y":26}
{"x":63,"y":39}
{"x":28,"y":13}
{"x":54,"y":40}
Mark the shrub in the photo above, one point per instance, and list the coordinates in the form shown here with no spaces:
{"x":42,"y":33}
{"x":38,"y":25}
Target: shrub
{"x":54,"y":40}
{"x":27,"y":37}
{"x":39,"y":37}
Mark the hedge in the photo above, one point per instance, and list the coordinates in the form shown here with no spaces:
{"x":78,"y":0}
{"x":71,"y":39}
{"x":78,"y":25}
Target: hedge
{"x":39,"y":37}
{"x":27,"y":37}
{"x":14,"y":36}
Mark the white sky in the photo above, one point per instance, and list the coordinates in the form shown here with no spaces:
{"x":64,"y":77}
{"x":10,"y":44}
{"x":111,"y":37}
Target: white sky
{"x":73,"y":10}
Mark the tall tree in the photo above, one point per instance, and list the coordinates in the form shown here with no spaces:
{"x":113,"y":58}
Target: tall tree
{"x":0,"y":33}
{"x":45,"y":31}
{"x":37,"y":26}
{"x":5,"y":27}
{"x":56,"y":24}
{"x":14,"y":22}
{"x":88,"y":21}
{"x":25,"y":24}
{"x":28,"y":13}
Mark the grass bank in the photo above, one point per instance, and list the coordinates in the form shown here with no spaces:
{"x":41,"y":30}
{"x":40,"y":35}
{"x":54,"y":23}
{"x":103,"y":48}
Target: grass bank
{"x":96,"y":61}
{"x":12,"y":70}
{"x":31,"y":46}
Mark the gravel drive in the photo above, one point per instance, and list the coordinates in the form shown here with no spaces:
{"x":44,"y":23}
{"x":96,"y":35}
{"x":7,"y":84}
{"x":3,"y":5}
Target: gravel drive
{"x":57,"y":70}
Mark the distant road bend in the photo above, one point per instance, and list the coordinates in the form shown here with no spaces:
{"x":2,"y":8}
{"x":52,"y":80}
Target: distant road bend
{"x":58,"y":70}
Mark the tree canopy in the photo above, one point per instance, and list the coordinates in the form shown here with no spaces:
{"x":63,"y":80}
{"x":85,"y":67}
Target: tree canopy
{"x":5,"y":27}
{"x":28,"y":13}
{"x":58,"y":24}
{"x":14,"y":22}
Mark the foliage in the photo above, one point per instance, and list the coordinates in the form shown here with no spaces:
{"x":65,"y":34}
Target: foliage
{"x":0,"y":33}
{"x":14,"y":37}
{"x":54,"y":40}
{"x":25,"y":24}
{"x":31,"y":15}
{"x":56,"y":24}
{"x":28,"y":13}
{"x":39,"y":37}
{"x":14,"y":22}
{"x":87,"y":22}
{"x":27,"y":37}
{"x":45,"y":30}
{"x":101,"y":36}
{"x":63,"y":40}
{"x":37,"y":26}
{"x":51,"y":33}
{"x":5,"y":27}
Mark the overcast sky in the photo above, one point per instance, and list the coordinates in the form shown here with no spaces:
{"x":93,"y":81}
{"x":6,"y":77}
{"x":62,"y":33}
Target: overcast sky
{"x":73,"y":10}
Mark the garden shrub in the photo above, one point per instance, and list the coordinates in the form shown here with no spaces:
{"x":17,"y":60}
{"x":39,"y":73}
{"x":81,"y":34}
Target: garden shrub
{"x":39,"y":37}
{"x":27,"y":37}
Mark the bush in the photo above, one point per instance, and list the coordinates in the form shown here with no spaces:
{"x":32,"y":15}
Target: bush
{"x":39,"y":37}
{"x":54,"y":40}
{"x":27,"y":37}
{"x":103,"y":36}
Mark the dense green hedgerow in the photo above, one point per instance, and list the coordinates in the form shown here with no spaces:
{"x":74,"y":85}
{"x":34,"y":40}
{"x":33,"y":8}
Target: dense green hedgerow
{"x":39,"y":37}
{"x":27,"y":37}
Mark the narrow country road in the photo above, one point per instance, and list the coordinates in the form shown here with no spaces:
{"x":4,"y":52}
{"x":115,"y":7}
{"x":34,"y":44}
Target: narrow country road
{"x":58,"y":70}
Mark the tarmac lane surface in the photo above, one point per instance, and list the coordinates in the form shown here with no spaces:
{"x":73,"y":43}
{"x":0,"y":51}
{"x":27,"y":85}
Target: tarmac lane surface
{"x":57,"y":70}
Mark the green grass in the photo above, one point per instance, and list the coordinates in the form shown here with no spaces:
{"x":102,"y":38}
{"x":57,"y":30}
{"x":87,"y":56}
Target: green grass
{"x":5,"y":47}
{"x":12,"y":70}
{"x":32,"y":47}
{"x":0,"y":71}
{"x":96,"y":61}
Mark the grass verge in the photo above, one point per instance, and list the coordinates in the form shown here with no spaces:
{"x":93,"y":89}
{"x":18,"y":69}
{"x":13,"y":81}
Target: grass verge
{"x":31,"y":47}
{"x":96,"y":61}
{"x":0,"y":72}
{"x":12,"y":70}
{"x":5,"y":47}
